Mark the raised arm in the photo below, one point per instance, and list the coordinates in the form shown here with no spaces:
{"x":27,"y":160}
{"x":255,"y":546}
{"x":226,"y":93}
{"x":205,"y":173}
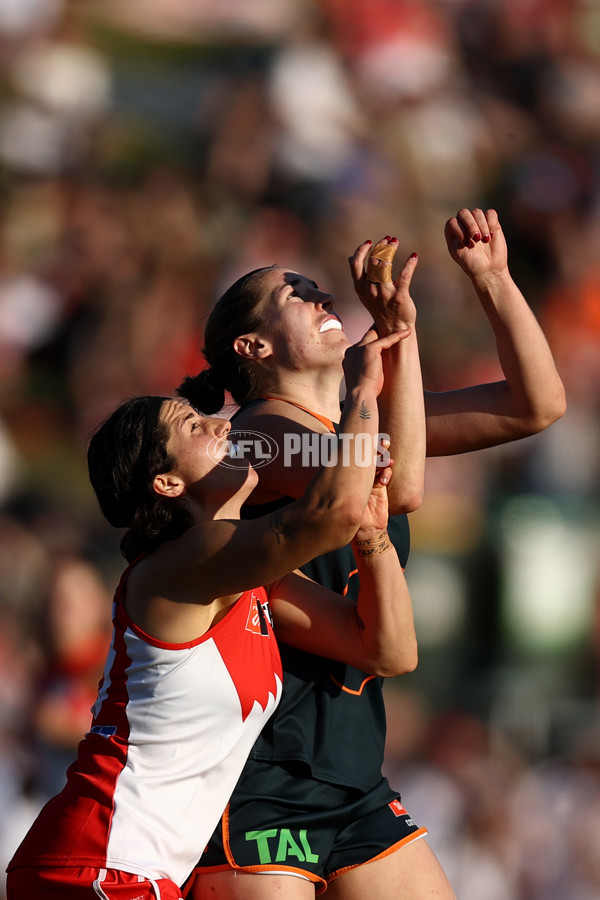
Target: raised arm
{"x":376,"y":634}
{"x":401,"y":409}
{"x":531,"y":397}
{"x":229,"y":555}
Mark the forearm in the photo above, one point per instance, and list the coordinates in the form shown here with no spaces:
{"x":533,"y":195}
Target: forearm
{"x":343,"y":487}
{"x":529,"y":399}
{"x":401,"y":406}
{"x":536,"y":396}
{"x":384,"y":607}
{"x":402,"y":417}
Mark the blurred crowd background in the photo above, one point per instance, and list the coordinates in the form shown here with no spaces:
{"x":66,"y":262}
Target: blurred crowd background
{"x":154,"y":150}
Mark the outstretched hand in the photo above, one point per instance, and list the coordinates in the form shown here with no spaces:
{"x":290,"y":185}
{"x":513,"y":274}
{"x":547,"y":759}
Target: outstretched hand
{"x":389,"y":302}
{"x":476,"y":242}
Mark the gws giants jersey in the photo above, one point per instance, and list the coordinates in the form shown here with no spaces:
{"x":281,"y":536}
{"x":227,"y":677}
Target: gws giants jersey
{"x":172,"y":727}
{"x":332,"y":716}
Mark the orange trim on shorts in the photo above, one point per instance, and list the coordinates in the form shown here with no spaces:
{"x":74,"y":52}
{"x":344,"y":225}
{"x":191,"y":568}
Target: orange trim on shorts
{"x":257,"y":869}
{"x":406,"y":840}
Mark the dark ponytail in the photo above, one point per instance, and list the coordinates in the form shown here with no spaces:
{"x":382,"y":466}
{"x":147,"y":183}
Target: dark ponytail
{"x":237,"y":312}
{"x":124,"y":455}
{"x":205,"y":391}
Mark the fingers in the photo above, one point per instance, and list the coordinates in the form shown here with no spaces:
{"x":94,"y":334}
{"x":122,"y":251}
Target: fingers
{"x":383,"y":476}
{"x":471,"y":226}
{"x":408,"y":270}
{"x":388,"y":340}
{"x":358,"y":259}
{"x":368,"y":337}
{"x":379,"y":266}
{"x":394,"y":338}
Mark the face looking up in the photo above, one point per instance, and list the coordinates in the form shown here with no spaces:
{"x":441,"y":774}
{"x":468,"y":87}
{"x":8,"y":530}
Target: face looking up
{"x":199,"y":444}
{"x":301,"y":328}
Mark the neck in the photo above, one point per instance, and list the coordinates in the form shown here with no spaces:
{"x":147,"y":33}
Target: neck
{"x":319,"y":392}
{"x":222,"y":503}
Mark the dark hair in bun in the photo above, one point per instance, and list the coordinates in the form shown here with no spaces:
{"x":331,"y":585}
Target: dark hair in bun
{"x":237,"y":312}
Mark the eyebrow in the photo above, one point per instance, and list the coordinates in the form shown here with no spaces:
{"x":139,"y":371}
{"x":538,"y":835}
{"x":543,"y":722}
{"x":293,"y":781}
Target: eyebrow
{"x":300,"y":279}
{"x":190,"y":415}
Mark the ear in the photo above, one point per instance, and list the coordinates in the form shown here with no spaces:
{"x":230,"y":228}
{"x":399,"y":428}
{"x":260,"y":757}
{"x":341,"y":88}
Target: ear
{"x":168,"y":485}
{"x":252,"y":346}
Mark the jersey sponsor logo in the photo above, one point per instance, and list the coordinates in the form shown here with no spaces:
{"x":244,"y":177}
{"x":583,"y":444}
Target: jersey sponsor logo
{"x":258,"y":613}
{"x":399,"y":811}
{"x":397,"y":808}
{"x":267,"y":611}
{"x":279,"y":845}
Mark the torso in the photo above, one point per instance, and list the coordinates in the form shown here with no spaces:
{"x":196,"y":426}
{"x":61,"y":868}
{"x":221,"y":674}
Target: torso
{"x":172,"y":727}
{"x":324,"y":698}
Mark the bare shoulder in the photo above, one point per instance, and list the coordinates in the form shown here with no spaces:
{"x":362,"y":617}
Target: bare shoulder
{"x":187,"y":561}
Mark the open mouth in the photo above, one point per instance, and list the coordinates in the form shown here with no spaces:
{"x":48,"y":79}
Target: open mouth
{"x":330,"y":324}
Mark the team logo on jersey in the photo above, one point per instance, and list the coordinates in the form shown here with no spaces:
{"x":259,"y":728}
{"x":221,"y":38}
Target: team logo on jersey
{"x":254,"y":664}
{"x":258,"y":614}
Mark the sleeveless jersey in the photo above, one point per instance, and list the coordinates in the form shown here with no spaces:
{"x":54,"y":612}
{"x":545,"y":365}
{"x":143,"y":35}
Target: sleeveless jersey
{"x":172,"y":727}
{"x":331,"y":716}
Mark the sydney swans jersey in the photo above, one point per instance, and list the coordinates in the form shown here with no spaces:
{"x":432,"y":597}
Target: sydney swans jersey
{"x":172,"y":727}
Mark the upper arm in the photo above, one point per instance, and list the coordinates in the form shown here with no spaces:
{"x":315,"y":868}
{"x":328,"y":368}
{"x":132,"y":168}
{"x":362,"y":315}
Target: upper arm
{"x":470,"y":419}
{"x":229,"y":556}
{"x":225,"y":556}
{"x":316,"y":620}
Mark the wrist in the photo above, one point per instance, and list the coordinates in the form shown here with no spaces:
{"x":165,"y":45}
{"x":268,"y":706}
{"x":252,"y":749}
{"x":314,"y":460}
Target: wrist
{"x":369,"y":545}
{"x":386,"y":326}
{"x":365,"y":393}
{"x":492,"y":282}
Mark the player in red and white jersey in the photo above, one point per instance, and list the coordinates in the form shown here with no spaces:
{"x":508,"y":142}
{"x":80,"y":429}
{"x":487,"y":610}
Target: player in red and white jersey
{"x":161,"y":754}
{"x":193,"y":670}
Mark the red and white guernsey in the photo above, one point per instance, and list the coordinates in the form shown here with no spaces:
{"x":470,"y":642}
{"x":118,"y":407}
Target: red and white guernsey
{"x":172,"y":727}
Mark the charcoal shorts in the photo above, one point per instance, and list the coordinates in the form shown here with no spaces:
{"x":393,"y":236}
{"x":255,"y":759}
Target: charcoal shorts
{"x":293,"y":824}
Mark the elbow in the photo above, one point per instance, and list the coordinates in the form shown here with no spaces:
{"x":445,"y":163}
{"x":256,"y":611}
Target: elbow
{"x":550,"y":412}
{"x":405,"y":494}
{"x":402,"y":664}
{"x":411,"y":662}
{"x":337,"y":522}
{"x":535,"y":415}
{"x":345,"y":516}
{"x":558,"y":408}
{"x":406,"y":502}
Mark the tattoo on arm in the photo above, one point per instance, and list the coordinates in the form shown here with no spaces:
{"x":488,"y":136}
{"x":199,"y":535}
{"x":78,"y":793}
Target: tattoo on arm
{"x":364,"y":412}
{"x":280,"y":529}
{"x":373,"y":546}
